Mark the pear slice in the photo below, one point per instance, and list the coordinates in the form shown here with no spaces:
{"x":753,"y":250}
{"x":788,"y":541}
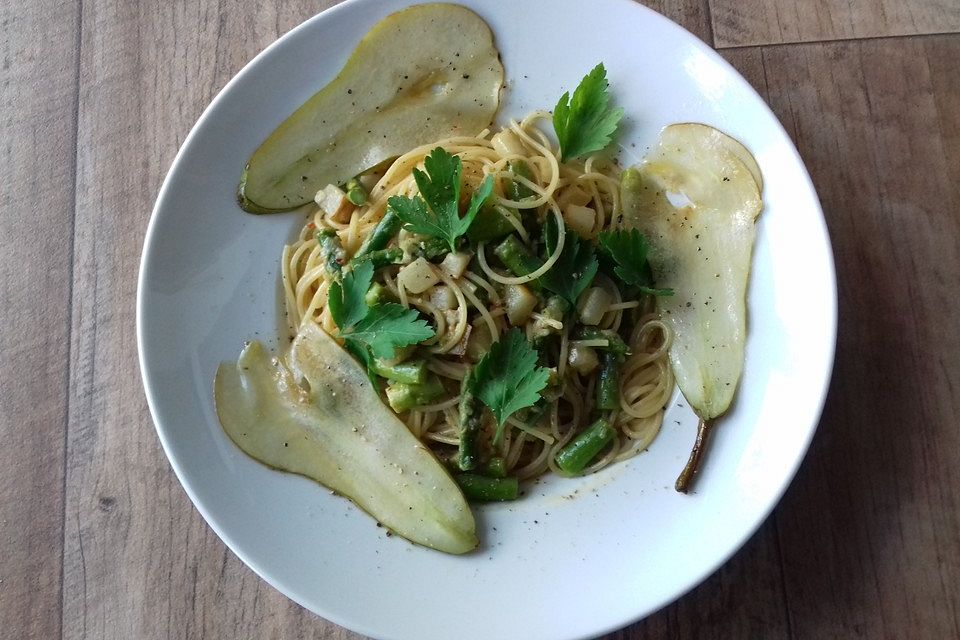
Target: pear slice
{"x":427,"y":72}
{"x":696,"y":197}
{"x":339,"y":433}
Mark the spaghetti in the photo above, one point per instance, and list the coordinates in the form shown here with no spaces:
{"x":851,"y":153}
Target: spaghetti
{"x":469,"y":310}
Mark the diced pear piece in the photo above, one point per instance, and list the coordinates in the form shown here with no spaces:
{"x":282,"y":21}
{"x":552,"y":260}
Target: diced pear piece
{"x":339,"y":433}
{"x":696,"y":200}
{"x":427,"y":72}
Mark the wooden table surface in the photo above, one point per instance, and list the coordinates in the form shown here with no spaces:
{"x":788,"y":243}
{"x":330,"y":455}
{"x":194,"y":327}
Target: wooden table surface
{"x":98,"y":539}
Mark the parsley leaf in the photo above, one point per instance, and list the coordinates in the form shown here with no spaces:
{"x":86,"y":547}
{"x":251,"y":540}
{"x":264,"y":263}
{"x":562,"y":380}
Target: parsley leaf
{"x":376,"y":330}
{"x":575,"y":269}
{"x":507,"y":378}
{"x":346,"y":302}
{"x":586,"y":123}
{"x":436,"y":211}
{"x":627,"y":252}
{"x":388,"y":326}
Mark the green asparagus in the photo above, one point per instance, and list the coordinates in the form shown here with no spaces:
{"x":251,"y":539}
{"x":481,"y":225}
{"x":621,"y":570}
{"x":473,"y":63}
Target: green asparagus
{"x":331,"y":252}
{"x":409,"y":372}
{"x":492,"y":223}
{"x":608,"y":382}
{"x":356,"y":194}
{"x":430,"y":248}
{"x":578,"y":453}
{"x":403,"y":396}
{"x":517,"y":258}
{"x":381,"y":235}
{"x":615,"y":343}
{"x":471,"y":414}
{"x":482,"y":489}
{"x":496,"y":467}
{"x":381,"y":257}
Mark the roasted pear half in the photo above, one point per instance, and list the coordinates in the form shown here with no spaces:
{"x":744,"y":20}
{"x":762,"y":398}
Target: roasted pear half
{"x":424,"y":73}
{"x":318,"y":416}
{"x":696,"y":197}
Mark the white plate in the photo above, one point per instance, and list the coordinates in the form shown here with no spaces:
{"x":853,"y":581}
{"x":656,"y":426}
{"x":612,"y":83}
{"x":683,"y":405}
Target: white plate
{"x":550,"y":566}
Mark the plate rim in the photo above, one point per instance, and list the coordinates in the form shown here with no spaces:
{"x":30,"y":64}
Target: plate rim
{"x":358,"y":625}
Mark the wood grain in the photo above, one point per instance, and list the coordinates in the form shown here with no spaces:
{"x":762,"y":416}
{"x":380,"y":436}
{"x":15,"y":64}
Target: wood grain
{"x":139,"y":561}
{"x":752,"y":22}
{"x":692,"y":15}
{"x":870,"y":533}
{"x":38,"y":93}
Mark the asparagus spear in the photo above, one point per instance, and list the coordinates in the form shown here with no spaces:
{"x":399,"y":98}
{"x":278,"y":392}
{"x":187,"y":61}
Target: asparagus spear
{"x":608,"y":382}
{"x":615,"y":343}
{"x":471,"y":413}
{"x":492,"y":223}
{"x":517,"y":258}
{"x":377,"y":293}
{"x":480,"y":488}
{"x":578,"y":453}
{"x":410,"y":372}
{"x":403,"y":396}
{"x":516,"y":190}
{"x":356,"y":194}
{"x":381,"y":257}
{"x":496,"y":467}
{"x":331,"y":252}
{"x":381,"y":235}
{"x":430,"y":248}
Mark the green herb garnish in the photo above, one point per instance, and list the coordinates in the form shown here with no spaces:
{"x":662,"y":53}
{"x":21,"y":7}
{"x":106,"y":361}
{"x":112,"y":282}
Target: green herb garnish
{"x":436,"y":211}
{"x":507,"y":378}
{"x":573,"y":272}
{"x":378,"y":329}
{"x":627,"y":252}
{"x":586,"y":123}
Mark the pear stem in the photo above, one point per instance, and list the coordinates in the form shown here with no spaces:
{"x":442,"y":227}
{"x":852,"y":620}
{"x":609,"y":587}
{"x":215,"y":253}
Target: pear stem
{"x":693,"y":464}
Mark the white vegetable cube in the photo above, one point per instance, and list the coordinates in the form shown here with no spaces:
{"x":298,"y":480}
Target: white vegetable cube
{"x":593,"y":303}
{"x":442,"y":297}
{"x":574,"y":194}
{"x":580,"y":219}
{"x":479,"y":340}
{"x":333,"y":202}
{"x":418,"y":276}
{"x":506,"y":143}
{"x":583,"y":359}
{"x":519,"y":303}
{"x":454,"y":264}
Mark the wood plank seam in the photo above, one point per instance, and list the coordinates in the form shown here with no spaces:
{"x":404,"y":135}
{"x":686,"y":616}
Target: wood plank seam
{"x":800,"y":43}
{"x":68,"y":370}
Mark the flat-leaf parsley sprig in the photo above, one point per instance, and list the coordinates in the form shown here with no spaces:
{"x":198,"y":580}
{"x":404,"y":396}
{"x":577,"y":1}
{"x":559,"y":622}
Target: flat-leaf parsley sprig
{"x":436,"y":211}
{"x":586,"y":123}
{"x":507,"y":378}
{"x":379,"y":329}
{"x":627,"y":252}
